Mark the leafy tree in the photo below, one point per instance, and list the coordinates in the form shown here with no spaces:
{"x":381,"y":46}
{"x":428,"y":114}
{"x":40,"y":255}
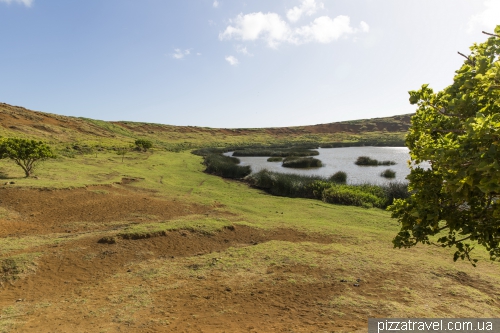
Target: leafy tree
{"x":26,"y":153}
{"x":143,"y":144}
{"x":458,"y":131}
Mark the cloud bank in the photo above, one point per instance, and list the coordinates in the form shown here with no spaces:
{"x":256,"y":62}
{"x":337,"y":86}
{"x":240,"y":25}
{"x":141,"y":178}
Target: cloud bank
{"x":272,"y":29}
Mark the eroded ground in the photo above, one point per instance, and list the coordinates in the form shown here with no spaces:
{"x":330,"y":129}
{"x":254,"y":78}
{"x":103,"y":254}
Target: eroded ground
{"x":58,"y":275}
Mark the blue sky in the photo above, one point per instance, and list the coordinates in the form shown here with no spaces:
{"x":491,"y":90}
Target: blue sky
{"x":231,"y":63}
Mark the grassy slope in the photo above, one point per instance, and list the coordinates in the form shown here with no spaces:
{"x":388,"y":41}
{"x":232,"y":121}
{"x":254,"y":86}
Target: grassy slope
{"x":362,"y":246}
{"x":61,"y":130}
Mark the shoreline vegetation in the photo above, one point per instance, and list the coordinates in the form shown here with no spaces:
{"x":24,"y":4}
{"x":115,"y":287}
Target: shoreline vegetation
{"x":333,"y":190}
{"x":368,"y":161}
{"x":301,"y":162}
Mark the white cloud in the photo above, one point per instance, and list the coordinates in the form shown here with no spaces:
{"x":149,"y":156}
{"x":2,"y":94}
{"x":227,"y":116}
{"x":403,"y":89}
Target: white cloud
{"x":273,"y":29}
{"x":232,"y":60}
{"x":243,"y":50}
{"x":27,"y":3}
{"x":364,"y":26}
{"x":487,"y":19}
{"x":253,"y":26}
{"x":179,"y":54}
{"x":308,"y":7}
{"x":215,"y":4}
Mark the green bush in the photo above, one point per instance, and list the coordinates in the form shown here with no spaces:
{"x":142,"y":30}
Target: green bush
{"x":301,"y":162}
{"x":225,"y":166}
{"x":143,"y":144}
{"x":275,"y":159}
{"x":354,"y":196}
{"x":287,"y":185}
{"x":339,"y":177}
{"x":388,"y":173}
{"x":395,"y":190}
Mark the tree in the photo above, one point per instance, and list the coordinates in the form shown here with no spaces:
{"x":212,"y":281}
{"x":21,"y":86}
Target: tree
{"x":26,"y":153}
{"x":458,"y":131}
{"x":143,"y":144}
{"x":122,"y":151}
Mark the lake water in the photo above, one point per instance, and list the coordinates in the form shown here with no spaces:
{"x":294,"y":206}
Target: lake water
{"x":342,"y":159}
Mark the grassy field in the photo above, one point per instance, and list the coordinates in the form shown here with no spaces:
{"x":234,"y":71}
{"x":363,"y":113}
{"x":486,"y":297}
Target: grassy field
{"x":298,"y":245}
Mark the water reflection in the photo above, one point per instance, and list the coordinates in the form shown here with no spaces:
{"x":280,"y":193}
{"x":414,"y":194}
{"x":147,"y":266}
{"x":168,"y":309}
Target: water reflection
{"x":342,"y":159}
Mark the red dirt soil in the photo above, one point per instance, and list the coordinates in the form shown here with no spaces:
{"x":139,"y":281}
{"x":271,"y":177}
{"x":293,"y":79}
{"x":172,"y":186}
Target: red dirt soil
{"x":82,"y":268}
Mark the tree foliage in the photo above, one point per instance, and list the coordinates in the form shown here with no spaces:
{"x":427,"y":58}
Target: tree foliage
{"x":458,"y":131}
{"x":26,"y":153}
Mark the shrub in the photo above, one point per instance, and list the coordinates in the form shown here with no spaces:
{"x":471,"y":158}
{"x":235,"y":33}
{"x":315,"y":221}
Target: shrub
{"x":143,"y":144}
{"x":365,"y":160}
{"x":287,"y":185}
{"x":225,"y":166}
{"x":301,"y":162}
{"x":352,"y":195}
{"x":275,"y":159}
{"x":339,"y":177}
{"x":388,"y":173}
{"x":395,"y":190}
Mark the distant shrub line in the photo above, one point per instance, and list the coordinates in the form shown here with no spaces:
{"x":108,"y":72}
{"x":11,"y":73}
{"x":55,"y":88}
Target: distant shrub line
{"x":275,"y":152}
{"x":365,"y":160}
{"x":301,"y":162}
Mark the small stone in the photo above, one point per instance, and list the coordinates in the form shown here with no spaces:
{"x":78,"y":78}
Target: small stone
{"x":356,"y":284}
{"x":228,"y":289}
{"x":343,"y":280}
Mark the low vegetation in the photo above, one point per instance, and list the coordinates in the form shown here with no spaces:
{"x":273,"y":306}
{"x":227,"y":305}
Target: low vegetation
{"x":275,"y":159}
{"x":225,"y":166}
{"x":329,"y":190}
{"x":388,"y":173}
{"x":339,"y":177}
{"x":301,"y":162}
{"x":365,"y":160}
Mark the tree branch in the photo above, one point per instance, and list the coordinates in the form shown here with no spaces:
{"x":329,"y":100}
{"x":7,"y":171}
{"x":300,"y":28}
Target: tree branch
{"x":473,"y":63}
{"x":487,"y":33}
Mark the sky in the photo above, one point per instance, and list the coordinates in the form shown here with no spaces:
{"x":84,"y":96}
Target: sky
{"x":232,"y":63}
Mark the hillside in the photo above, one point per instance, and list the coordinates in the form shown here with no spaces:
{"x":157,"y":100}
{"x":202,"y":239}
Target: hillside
{"x":16,"y":121}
